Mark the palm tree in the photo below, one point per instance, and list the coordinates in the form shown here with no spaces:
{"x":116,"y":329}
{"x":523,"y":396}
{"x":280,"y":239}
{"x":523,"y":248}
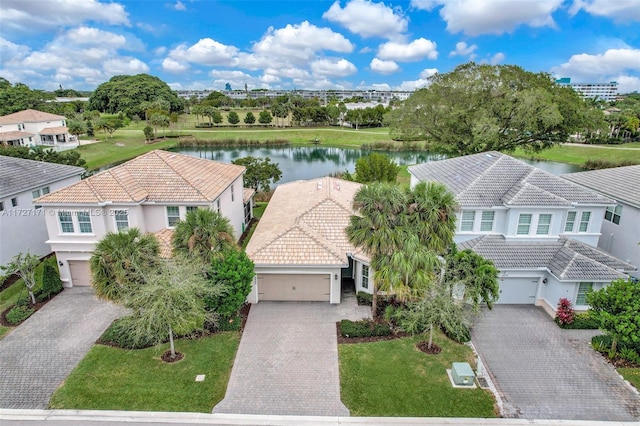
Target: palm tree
{"x":120,"y":261}
{"x":203,"y":233}
{"x":432,"y":215}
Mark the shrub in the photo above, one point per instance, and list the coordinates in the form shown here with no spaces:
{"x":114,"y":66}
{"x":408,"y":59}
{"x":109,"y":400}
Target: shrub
{"x":231,"y":324}
{"x":581,"y":321}
{"x":630,"y":355}
{"x":235,"y":272}
{"x":364,"y":298}
{"x":119,"y":335}
{"x":18,"y":314}
{"x":602,"y":344}
{"x":565,"y":313}
{"x":363,"y":328}
{"x":51,"y":283}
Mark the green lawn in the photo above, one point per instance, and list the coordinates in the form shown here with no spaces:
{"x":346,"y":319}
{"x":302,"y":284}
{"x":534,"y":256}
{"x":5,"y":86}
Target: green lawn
{"x":632,"y":375}
{"x":117,"y":379}
{"x":394,"y":378}
{"x":580,"y":154}
{"x":259,"y":208}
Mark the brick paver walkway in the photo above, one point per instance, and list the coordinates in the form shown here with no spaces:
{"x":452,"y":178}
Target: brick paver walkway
{"x":544,"y":372}
{"x":287,"y":362}
{"x":39,"y":354}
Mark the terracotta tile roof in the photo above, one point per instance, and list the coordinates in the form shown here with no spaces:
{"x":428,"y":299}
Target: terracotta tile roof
{"x":29,"y":116}
{"x":165,"y":237}
{"x":157,"y":176}
{"x":54,"y":130}
{"x":247,"y":193}
{"x":492,"y":179}
{"x":304,"y":224}
{"x":9,"y":136}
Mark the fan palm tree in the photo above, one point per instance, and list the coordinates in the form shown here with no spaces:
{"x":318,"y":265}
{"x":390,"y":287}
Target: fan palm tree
{"x":120,"y":261}
{"x":203,"y":233}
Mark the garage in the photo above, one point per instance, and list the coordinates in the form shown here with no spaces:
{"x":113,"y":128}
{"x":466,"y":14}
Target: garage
{"x":518,"y":291}
{"x":80,"y":273}
{"x":294,"y":287}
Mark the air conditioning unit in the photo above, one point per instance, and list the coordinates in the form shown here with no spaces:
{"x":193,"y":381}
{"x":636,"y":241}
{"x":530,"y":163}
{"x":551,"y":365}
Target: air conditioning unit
{"x":462,"y":374}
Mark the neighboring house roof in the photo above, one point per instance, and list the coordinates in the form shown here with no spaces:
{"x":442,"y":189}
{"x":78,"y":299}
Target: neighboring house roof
{"x":29,"y":116}
{"x":165,"y":238}
{"x":247,"y":194}
{"x":53,"y":130}
{"x":494,"y":179}
{"x":18,"y":175}
{"x":619,"y":183}
{"x":305,"y":223}
{"x":157,"y":176}
{"x":10,"y":136}
{"x":567,"y":259}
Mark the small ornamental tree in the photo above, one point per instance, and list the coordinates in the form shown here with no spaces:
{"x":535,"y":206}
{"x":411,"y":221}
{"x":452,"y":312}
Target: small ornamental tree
{"x":565,"y":313}
{"x":148,"y":133}
{"x":235,"y":272}
{"x":233,"y":118}
{"x":261,"y":172}
{"x":265,"y":117}
{"x":51,"y":282}
{"x":249,"y":118}
{"x":24,"y":265}
{"x":376,"y":168}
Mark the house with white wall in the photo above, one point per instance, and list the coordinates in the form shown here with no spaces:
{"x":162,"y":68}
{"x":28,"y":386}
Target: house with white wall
{"x":540,"y":230}
{"x":22,"y":224}
{"x":31,"y":127}
{"x":620,"y":233}
{"x":151,"y":192}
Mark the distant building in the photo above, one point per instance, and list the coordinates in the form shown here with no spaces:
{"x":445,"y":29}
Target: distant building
{"x":31,"y":127}
{"x":600,"y":91}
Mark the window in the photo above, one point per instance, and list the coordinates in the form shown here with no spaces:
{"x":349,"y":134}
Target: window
{"x":544,"y":223}
{"x":570,"y":223}
{"x":66,"y":222}
{"x":232,"y":196}
{"x":84,"y":222}
{"x":486,"y":223}
{"x":45,"y":190}
{"x":1,"y":206}
{"x":468,"y":217}
{"x":524,"y":224}
{"x":584,"y":222}
{"x":192,"y":208}
{"x":173,"y":215}
{"x":35,"y":194}
{"x":613,"y":214}
{"x":122,"y":219}
{"x":218,"y":205}
{"x":581,"y":298}
{"x":14,"y":202}
{"x":365,"y":276}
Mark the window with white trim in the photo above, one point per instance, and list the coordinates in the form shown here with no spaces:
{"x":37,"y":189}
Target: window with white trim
{"x":570,"y":222}
{"x":584,"y":222}
{"x":218,"y":205}
{"x":66,"y":222}
{"x":467,"y":220}
{"x":173,"y":215}
{"x":613,"y":214}
{"x":486,"y":222}
{"x":544,"y":224}
{"x":583,"y":289}
{"x":365,"y":276}
{"x":191,"y":208}
{"x":84,"y":222}
{"x":122,"y":219}
{"x":524,"y":223}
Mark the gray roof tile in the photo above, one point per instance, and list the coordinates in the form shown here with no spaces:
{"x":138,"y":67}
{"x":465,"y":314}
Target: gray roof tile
{"x":620,"y":183}
{"x":18,"y":175}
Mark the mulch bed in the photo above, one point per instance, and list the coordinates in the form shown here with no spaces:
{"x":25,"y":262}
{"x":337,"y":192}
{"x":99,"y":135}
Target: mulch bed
{"x":347,"y":340}
{"x":244,"y":314}
{"x":619,"y":362}
{"x":424,"y":347}
{"x":166,"y":356}
{"x":3,"y":316}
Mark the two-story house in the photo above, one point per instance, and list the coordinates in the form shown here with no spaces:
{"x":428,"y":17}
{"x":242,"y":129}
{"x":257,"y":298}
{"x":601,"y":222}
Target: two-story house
{"x":31,"y":127}
{"x":22,"y":225}
{"x":621,"y":225}
{"x":151,"y":192}
{"x":540,"y":230}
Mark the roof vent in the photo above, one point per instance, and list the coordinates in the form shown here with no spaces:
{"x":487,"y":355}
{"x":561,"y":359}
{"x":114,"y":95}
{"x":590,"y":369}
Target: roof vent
{"x":319,"y":186}
{"x":488,"y":155}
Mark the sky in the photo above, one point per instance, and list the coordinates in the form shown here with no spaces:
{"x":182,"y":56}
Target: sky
{"x":313,"y":45}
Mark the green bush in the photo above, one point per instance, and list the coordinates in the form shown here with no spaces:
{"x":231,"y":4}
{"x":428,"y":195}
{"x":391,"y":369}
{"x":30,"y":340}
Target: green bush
{"x":18,"y":314}
{"x":364,"y":298}
{"x":235,"y":271}
{"x":602,"y":343}
{"x":119,"y":335}
{"x":231,"y":324}
{"x":581,"y":321}
{"x":363,"y":328}
{"x":51,"y":283}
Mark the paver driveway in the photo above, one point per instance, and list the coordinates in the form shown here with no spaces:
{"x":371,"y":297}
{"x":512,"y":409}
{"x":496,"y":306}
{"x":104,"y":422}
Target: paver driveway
{"x":39,"y":354}
{"x":287,"y":362}
{"x":544,"y":372}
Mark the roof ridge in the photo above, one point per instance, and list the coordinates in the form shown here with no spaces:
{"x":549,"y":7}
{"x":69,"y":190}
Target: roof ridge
{"x":125,"y":187}
{"x":473,"y":182}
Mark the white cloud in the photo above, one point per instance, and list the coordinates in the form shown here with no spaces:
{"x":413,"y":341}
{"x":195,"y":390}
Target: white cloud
{"x":428,"y":72}
{"x":497,"y":58}
{"x":475,"y":17}
{"x":412,"y":85}
{"x":205,"y":52}
{"x":159,"y":51}
{"x":126,"y":66}
{"x":381,"y":87}
{"x":88,"y":35}
{"x":40,"y":16}
{"x":333,"y":67}
{"x":462,"y":49}
{"x":619,"y":10}
{"x":628,"y":83}
{"x":384,"y":67}
{"x":171,"y":65}
{"x":368,"y":19}
{"x":416,"y":50}
{"x":179,"y":6}
{"x":10,"y":51}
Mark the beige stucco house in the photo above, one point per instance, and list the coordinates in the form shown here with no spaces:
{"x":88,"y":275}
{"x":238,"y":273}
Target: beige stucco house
{"x":31,"y":127}
{"x":151,"y":192}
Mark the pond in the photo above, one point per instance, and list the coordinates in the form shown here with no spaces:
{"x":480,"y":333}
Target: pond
{"x":303,"y":163}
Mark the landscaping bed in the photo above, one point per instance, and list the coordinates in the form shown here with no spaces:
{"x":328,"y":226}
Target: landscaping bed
{"x":344,"y":338}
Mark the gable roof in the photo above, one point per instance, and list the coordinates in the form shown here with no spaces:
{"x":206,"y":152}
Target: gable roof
{"x":494,"y":179}
{"x":619,"y":183}
{"x":305,"y":223}
{"x":157,"y":176}
{"x":29,"y":116}
{"x":19,"y":175}
{"x":566,"y":259}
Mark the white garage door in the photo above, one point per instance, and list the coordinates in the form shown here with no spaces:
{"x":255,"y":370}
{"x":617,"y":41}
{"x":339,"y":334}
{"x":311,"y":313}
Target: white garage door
{"x":518,"y":291}
{"x":294,"y":287}
{"x":80,"y":272}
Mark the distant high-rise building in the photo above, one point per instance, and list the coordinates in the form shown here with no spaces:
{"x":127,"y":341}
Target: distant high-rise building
{"x":600,"y":91}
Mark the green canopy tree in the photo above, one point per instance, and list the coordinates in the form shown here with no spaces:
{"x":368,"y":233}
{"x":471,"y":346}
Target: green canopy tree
{"x":24,"y":265}
{"x":76,"y":128}
{"x":261,"y":172}
{"x":233,"y":118}
{"x":249,"y":118}
{"x":376,"y":167}
{"x":480,"y":107}
{"x":265,"y":117}
{"x":203,"y":234}
{"x":235,"y":272}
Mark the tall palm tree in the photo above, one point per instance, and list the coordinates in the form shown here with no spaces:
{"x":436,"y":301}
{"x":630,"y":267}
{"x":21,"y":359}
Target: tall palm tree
{"x":431,"y":210}
{"x":202,"y":234}
{"x":120,"y":261}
